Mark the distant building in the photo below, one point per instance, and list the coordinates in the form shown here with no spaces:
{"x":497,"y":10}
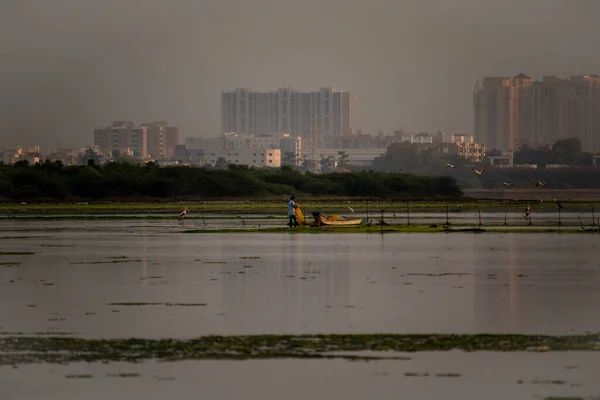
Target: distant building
{"x":517,"y":111}
{"x":284,"y":142}
{"x":505,"y":160}
{"x":247,"y":156}
{"x":463,"y":146}
{"x":247,"y":112}
{"x":357,"y":157}
{"x":204,"y":143}
{"x":122,"y":136}
{"x":30,"y":154}
{"x":162,"y":139}
{"x":419,"y":138}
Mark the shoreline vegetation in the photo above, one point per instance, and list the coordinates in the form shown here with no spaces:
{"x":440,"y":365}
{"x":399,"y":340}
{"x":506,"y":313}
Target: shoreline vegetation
{"x":29,"y":349}
{"x":53,"y":181}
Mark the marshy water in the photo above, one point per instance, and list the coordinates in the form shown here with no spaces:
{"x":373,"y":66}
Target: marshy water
{"x":149,"y":279}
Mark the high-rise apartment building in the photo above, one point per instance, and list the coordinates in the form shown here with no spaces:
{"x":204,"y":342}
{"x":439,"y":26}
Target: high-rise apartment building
{"x":511,"y":112}
{"x":244,"y":111}
{"x":122,"y":136}
{"x":162,"y":140}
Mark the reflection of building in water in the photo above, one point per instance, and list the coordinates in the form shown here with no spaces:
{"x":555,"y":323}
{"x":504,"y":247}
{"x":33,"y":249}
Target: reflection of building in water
{"x":496,"y":288}
{"x":296,"y":279}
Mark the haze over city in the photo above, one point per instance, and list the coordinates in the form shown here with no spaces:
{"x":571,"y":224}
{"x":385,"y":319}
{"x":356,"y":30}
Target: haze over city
{"x":69,"y":66}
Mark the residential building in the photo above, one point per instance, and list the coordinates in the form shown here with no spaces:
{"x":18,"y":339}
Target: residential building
{"x":284,"y":141}
{"x":502,"y":111}
{"x":247,"y":112}
{"x":162,"y":139}
{"x":122,"y":136}
{"x":357,"y":157}
{"x":517,"y":111}
{"x":504,"y":160}
{"x":30,"y":154}
{"x":564,"y":108}
{"x":204,"y":143}
{"x":247,"y":156}
{"x":463,"y":146}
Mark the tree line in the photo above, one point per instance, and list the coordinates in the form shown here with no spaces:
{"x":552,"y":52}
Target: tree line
{"x":576,"y":170}
{"x":53,"y":180}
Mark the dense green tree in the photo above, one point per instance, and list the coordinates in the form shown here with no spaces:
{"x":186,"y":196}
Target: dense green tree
{"x":122,"y":180}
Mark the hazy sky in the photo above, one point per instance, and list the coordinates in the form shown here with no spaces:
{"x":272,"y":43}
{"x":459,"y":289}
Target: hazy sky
{"x":67,"y":66}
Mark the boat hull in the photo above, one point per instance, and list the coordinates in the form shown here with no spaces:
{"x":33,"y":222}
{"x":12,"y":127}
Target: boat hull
{"x":325,"y":220}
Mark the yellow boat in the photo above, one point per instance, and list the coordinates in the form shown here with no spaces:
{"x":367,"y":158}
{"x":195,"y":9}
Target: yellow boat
{"x":334,"y":220}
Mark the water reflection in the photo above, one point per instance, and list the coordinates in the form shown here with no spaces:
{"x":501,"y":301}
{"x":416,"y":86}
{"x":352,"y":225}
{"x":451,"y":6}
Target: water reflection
{"x":295,"y":283}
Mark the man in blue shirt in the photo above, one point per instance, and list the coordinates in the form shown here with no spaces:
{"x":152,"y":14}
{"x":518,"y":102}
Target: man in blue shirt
{"x":292,"y":212}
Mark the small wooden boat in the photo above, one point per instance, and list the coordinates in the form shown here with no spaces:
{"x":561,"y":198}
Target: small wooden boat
{"x":334,"y":220}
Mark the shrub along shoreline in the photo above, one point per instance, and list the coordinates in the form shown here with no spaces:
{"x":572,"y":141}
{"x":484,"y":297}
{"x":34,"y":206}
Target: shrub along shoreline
{"x":53,"y":181}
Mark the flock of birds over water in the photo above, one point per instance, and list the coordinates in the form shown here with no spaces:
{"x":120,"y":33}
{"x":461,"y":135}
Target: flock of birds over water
{"x":505,"y":183}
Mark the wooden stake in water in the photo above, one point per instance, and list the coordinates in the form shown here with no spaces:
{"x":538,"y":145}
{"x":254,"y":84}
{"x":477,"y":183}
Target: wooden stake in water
{"x":447,"y":211}
{"x":593,"y":216}
{"x":479,"y":218}
{"x":381,"y":221}
{"x":407,"y":214}
{"x":505,"y":223}
{"x":367,"y":201}
{"x":559,"y":221}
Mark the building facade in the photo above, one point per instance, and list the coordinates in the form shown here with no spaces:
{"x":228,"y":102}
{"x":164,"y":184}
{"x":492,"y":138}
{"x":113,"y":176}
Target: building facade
{"x":517,"y":111}
{"x":247,"y":156}
{"x":122,"y":136}
{"x":161,"y":139}
{"x":244,"y":111}
{"x":463,"y":146}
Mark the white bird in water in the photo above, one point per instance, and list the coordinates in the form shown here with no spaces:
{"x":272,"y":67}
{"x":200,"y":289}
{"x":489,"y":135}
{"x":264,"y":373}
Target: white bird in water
{"x":183,"y":214}
{"x":540,"y":183}
{"x":351,"y":210}
{"x":450,"y":166}
{"x":507,"y":184}
{"x":527,"y":211}
{"x":479,"y":171}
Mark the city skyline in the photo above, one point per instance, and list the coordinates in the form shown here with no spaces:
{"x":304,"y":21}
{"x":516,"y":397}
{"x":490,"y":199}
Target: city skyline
{"x":511,"y":112}
{"x":72,"y":65}
{"x":285,"y":110}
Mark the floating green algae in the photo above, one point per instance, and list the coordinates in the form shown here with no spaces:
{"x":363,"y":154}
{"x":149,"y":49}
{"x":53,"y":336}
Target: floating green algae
{"x":30,"y":349}
{"x":159,"y":304}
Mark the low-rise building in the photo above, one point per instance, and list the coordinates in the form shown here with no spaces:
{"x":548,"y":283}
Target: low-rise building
{"x":120,"y":136}
{"x":30,"y":154}
{"x":247,"y":156}
{"x":357,"y":157}
{"x":161,"y":139}
{"x":504,"y":160}
{"x":463,"y":146}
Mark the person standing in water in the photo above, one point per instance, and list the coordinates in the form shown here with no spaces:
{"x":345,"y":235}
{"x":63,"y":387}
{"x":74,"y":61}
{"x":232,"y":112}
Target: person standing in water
{"x":292,"y":212}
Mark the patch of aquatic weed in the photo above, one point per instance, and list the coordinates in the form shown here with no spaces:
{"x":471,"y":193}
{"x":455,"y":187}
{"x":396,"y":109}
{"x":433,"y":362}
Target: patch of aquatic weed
{"x":79,"y":376}
{"x":159,"y":304}
{"x":124,"y":375}
{"x":10,"y":264}
{"x":118,"y":261}
{"x":30,"y":349}
{"x":17,"y":253}
{"x":566,"y":398}
{"x":441,"y":274}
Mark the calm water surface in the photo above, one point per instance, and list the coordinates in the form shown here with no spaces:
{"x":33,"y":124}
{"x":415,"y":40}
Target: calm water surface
{"x":286,"y":283}
{"x":71,"y":276}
